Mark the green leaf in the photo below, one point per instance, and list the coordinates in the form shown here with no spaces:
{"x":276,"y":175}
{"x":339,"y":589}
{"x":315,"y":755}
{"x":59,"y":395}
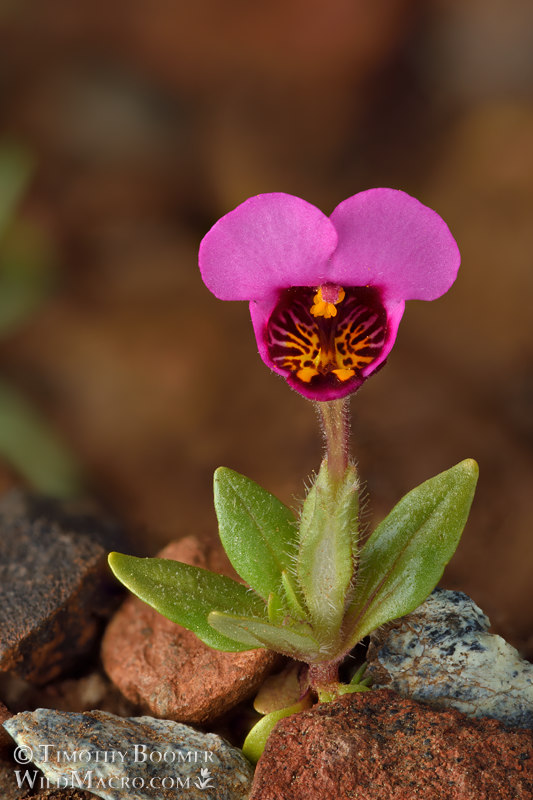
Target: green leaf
{"x":294,"y":602}
{"x":403,"y":560}
{"x":186,"y":595}
{"x":296,"y":642}
{"x":327,"y":549}
{"x":255,"y":742}
{"x":27,"y":274}
{"x":257,"y":531}
{"x":277,"y":610}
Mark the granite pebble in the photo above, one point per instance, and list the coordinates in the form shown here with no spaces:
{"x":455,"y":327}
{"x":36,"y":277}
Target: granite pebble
{"x":443,"y":654}
{"x":133,"y":758}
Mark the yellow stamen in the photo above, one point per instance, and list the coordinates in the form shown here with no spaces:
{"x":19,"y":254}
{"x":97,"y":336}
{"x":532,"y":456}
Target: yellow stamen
{"x":325,"y":306}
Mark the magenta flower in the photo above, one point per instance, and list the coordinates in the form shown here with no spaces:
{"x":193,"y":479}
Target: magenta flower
{"x":327,"y":293}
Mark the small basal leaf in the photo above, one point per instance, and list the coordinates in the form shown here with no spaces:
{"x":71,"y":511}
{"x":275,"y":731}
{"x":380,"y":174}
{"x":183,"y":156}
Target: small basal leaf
{"x":186,"y":595}
{"x":255,"y":742}
{"x":257,"y":531}
{"x":403,"y":560}
{"x":295,"y":642}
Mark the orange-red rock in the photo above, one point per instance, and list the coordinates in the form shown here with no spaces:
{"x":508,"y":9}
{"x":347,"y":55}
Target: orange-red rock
{"x":165,"y":669}
{"x":379,"y":746}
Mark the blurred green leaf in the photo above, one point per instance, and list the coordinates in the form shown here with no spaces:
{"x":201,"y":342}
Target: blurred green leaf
{"x":26,"y":263}
{"x":257,"y":531}
{"x":29,"y":445}
{"x":403,"y":560}
{"x":186,"y":595}
{"x":16,"y":167}
{"x":27,"y":274}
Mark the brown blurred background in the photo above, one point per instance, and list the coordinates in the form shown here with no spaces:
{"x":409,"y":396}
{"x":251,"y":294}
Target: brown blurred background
{"x":146,"y":121}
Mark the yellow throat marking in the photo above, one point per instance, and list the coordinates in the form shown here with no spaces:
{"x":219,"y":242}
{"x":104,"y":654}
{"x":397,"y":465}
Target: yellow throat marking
{"x":324,"y":305}
{"x":326,"y":335}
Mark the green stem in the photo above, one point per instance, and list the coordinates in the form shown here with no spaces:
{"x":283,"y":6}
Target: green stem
{"x":335,"y":419}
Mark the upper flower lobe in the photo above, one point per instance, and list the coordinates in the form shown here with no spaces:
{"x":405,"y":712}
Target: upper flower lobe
{"x":327,"y":294}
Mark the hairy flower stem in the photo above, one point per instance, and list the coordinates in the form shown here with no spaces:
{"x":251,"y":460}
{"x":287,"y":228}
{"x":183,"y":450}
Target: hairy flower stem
{"x":335,"y":420}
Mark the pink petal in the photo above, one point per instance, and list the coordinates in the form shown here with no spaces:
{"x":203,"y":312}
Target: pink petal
{"x":395,"y":309}
{"x":390,"y":240}
{"x":260,"y":313}
{"x":268,"y":243}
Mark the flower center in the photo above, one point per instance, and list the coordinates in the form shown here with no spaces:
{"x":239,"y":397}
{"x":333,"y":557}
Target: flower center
{"x":326,"y":336}
{"x":326,"y":299}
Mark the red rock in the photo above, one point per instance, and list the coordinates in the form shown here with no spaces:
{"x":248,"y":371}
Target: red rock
{"x":379,"y":746}
{"x":165,"y":669}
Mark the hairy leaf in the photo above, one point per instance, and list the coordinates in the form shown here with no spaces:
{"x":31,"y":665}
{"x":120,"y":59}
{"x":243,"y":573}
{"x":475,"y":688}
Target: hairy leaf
{"x":326,"y":557}
{"x":403,"y":560}
{"x":257,"y":531}
{"x":296,"y":642}
{"x":186,"y":595}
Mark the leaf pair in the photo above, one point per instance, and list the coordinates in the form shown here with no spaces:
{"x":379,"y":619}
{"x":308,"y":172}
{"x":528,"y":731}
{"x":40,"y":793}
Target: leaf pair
{"x":321,"y":612}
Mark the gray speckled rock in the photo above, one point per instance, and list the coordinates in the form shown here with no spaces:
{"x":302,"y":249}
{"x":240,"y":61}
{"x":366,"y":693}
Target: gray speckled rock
{"x":442,"y":654}
{"x":128,"y":758}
